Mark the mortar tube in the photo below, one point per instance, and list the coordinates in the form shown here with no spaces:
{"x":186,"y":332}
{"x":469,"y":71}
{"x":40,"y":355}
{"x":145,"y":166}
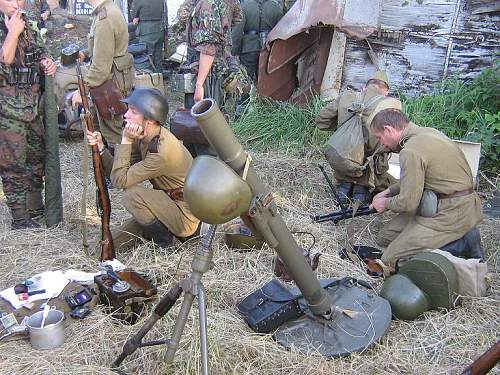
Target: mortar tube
{"x":220,"y":136}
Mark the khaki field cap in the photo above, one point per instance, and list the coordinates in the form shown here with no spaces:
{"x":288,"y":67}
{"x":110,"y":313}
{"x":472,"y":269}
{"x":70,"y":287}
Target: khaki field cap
{"x":381,"y":76}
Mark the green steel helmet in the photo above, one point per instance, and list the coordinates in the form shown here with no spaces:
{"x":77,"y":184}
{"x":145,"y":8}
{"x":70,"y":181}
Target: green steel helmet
{"x":150,"y":102}
{"x":407,"y":300}
{"x":239,"y":236}
{"x":214,"y":193}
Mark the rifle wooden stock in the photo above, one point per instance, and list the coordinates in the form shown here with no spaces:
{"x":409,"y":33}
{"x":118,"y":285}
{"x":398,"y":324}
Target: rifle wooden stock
{"x":343,"y":214}
{"x":485,"y":362}
{"x":106,"y":243}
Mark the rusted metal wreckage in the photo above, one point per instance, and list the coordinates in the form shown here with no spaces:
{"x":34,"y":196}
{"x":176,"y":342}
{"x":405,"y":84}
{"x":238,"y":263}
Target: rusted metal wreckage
{"x":319,"y":46}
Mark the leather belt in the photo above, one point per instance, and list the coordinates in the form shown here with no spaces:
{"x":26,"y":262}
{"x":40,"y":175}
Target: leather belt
{"x":456,"y":194}
{"x":176,"y":194}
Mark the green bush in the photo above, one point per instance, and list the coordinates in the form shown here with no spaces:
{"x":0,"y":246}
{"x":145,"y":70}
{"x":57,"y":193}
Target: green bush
{"x":466,"y":111}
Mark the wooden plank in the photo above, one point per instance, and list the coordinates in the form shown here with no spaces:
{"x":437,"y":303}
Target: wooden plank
{"x":332,"y":79}
{"x":416,"y":57}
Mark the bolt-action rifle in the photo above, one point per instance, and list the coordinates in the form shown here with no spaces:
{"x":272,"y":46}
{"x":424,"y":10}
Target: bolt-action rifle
{"x":485,"y":362}
{"x":103,"y":202}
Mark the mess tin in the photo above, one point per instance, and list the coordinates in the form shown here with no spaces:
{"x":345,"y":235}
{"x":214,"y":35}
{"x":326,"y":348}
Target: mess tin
{"x":51,"y":335}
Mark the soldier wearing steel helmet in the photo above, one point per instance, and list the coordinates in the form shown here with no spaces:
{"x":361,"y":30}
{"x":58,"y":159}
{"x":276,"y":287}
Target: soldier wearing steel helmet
{"x":160,"y":213}
{"x":367,"y":103}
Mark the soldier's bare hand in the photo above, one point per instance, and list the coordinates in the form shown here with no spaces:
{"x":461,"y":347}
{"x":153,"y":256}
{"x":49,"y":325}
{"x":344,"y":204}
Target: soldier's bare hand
{"x":81,"y":56}
{"x":15,"y":24}
{"x":95,"y":138}
{"x":383,"y":194}
{"x":76,"y":99}
{"x":48,"y":66}
{"x":45,"y":15}
{"x":135,"y":21}
{"x":133,"y":131}
{"x":379,"y":204}
{"x":199,"y":93}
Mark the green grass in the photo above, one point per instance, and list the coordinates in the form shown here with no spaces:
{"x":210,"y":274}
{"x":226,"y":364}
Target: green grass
{"x":271,"y":126}
{"x":467,"y":111}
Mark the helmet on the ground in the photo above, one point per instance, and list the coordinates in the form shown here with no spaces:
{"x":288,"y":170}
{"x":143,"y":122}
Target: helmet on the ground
{"x":407,"y":300}
{"x":239,"y":236}
{"x":214,"y":192}
{"x":150,"y":102}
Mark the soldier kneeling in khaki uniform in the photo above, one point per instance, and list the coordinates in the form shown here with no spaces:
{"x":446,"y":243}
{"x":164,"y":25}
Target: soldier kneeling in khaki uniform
{"x":160,"y":213}
{"x":435,"y":200}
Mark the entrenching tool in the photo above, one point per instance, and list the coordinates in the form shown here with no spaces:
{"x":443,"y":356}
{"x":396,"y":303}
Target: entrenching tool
{"x":339,"y":320}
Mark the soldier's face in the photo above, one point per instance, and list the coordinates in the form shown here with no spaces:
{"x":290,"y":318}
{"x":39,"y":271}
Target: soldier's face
{"x":133,"y":115}
{"x":389,"y":137}
{"x":8,"y":7}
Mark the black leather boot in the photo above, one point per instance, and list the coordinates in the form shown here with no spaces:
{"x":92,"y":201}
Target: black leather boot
{"x":344,"y":190}
{"x":158,"y":233}
{"x":361,"y":193}
{"x":468,"y":246}
{"x":21,"y":219}
{"x":34,"y":204}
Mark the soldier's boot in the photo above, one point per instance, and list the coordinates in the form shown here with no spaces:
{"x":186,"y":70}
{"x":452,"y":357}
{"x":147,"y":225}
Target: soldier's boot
{"x":158,"y":233}
{"x":34,"y":204}
{"x":468,"y":246}
{"x":344,"y":190}
{"x":361,"y":193}
{"x":21,"y":219}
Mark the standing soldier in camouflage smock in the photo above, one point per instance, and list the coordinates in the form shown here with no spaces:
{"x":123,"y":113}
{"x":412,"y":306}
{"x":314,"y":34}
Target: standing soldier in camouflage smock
{"x":21,"y":131}
{"x":107,"y":50}
{"x":148,"y":15}
{"x":366,"y":104}
{"x":209,"y":24}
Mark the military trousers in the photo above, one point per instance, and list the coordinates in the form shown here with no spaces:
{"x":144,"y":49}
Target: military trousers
{"x":250,"y":61}
{"x":147,"y":205}
{"x":154,"y":45}
{"x":22,"y":157}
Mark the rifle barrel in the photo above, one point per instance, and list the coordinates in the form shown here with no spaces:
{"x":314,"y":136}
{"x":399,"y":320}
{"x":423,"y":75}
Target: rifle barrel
{"x":337,"y":216}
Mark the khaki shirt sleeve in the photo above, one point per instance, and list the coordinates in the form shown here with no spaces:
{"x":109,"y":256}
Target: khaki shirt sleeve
{"x":327,"y":118}
{"x":102,"y":56}
{"x":124,"y":175}
{"x":411,"y":183}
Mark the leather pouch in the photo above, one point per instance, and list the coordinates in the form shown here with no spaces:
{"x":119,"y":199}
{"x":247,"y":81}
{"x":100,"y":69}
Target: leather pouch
{"x":269,"y":307}
{"x":185,"y":128}
{"x":107,"y":98}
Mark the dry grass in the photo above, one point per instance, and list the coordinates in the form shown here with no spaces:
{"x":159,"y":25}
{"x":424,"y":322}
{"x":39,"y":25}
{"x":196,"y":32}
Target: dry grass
{"x":437,"y":343}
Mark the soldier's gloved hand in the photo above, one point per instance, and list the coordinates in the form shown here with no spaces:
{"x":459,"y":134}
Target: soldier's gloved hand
{"x":48,"y":66}
{"x":95,"y":138}
{"x":16,"y":23}
{"x":132,"y":131}
{"x":76,"y":99}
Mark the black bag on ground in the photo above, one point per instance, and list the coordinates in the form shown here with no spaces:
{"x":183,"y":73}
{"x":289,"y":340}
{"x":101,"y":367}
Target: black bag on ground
{"x":269,"y":307}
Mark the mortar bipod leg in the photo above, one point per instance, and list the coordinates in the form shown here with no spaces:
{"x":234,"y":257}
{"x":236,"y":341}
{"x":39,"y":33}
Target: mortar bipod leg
{"x":202,"y":309}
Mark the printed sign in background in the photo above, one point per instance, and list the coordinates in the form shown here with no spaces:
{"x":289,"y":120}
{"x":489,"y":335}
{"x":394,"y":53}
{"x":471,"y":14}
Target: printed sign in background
{"x":82,"y":8}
